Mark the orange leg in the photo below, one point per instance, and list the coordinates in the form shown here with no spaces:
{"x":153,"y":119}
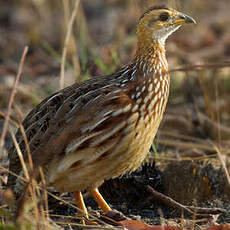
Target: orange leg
{"x":81,"y":205}
{"x":100,"y":200}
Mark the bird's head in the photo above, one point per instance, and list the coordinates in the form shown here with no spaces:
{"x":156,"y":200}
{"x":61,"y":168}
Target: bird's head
{"x":157,"y":23}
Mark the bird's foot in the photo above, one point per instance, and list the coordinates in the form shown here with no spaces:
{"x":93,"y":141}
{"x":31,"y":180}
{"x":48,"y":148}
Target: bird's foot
{"x":113,"y":216}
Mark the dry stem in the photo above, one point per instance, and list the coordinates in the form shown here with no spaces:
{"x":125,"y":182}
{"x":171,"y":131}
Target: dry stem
{"x":68,"y":35}
{"x":7,"y":118}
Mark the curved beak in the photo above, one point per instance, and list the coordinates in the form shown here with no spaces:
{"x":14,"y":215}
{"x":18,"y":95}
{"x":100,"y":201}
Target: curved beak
{"x":183,"y":19}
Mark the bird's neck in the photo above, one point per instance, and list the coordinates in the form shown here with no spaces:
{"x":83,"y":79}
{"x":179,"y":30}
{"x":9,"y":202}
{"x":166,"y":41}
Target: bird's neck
{"x":150,"y":56}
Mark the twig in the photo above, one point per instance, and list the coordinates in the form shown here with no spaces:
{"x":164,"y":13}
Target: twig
{"x":27,"y":176}
{"x":218,"y":111}
{"x":72,"y":47}
{"x":213,"y":211}
{"x":202,"y":66}
{"x":166,"y":200}
{"x":20,"y":155}
{"x":11,"y":120}
{"x":223,"y":164}
{"x":67,"y":38}
{"x":12,"y":98}
{"x":198,"y":211}
{"x":21,"y":127}
{"x":44,"y":192}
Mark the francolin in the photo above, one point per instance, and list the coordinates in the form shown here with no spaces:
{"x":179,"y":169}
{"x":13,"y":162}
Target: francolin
{"x":102,"y":128}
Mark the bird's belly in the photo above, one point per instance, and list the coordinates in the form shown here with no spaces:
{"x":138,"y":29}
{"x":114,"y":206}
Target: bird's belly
{"x":126,"y":156}
{"x":139,"y":146}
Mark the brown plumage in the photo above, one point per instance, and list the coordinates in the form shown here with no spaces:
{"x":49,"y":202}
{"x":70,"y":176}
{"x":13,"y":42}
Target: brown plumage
{"x":103,"y":128}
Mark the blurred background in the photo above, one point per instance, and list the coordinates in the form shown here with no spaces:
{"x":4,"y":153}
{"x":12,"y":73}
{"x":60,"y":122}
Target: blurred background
{"x":197,"y":119}
{"x":103,"y":39}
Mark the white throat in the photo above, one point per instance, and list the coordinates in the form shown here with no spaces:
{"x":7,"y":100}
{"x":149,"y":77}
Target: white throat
{"x":162,"y":34}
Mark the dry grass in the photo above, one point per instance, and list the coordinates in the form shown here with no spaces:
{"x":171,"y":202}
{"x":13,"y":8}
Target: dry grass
{"x":4,"y":130}
{"x":69,"y":37}
{"x":210,"y":107}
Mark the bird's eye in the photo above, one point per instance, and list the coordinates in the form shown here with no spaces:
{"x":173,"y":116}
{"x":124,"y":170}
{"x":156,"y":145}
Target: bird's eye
{"x":164,"y":17}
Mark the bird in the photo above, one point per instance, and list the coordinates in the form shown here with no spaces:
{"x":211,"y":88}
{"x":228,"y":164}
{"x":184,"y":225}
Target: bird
{"x":102,"y":128}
